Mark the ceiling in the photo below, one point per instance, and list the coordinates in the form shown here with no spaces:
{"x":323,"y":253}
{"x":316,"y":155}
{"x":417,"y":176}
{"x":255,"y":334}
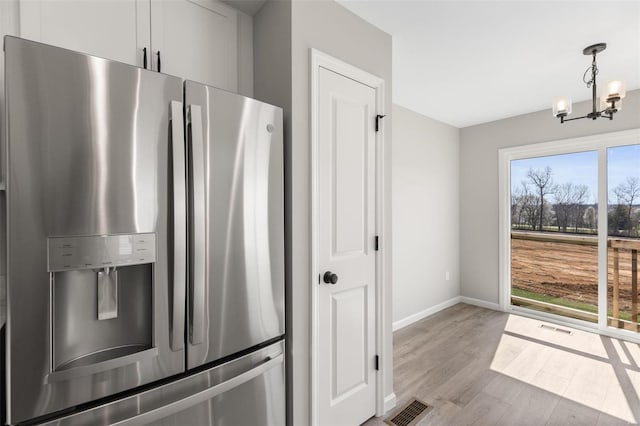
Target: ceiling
{"x":469,"y":62}
{"x":250,"y":7}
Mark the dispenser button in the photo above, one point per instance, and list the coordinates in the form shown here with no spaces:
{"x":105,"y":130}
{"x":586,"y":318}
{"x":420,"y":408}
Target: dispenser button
{"x":144,"y":248}
{"x":125,"y":246}
{"x":67,"y":257}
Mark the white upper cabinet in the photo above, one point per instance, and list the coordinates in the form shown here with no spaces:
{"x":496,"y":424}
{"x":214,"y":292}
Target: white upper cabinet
{"x":194,"y":39}
{"x":197,"y":40}
{"x":117,"y":30}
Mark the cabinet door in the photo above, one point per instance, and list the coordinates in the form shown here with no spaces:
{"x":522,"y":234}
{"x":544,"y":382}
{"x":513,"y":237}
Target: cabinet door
{"x":197,"y":40}
{"x":117,"y":30}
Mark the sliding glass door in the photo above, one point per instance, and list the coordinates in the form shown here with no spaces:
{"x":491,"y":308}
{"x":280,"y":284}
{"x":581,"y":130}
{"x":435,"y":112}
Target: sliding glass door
{"x":570,"y":230}
{"x":554,"y":235}
{"x":623,"y":217}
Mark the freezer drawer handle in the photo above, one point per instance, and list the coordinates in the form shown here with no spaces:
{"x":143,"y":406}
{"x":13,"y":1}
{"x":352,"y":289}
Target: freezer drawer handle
{"x":99,"y":367}
{"x":205,"y":395}
{"x":197,"y":249}
{"x":179,"y":226}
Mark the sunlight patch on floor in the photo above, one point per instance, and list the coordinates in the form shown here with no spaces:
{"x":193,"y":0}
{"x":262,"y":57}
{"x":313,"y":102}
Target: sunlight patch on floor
{"x":620,"y":350}
{"x":576,"y":367}
{"x":633,"y":351}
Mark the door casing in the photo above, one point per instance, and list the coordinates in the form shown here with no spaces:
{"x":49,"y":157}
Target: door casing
{"x":319,"y":60}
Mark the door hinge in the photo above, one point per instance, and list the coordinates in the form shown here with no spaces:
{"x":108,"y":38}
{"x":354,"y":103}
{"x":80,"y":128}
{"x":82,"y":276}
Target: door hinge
{"x":377,"y":362}
{"x":377,"y":243}
{"x":378,"y":118}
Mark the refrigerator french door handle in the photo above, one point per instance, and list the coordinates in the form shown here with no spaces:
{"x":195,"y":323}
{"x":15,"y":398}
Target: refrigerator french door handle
{"x":179,"y":225}
{"x":200,"y":397}
{"x":197,"y":252}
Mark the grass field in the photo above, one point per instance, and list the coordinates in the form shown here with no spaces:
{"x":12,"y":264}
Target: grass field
{"x":563,"y":302}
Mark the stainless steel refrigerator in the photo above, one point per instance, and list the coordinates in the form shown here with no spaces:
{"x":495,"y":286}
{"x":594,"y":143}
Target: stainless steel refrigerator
{"x":145,"y":247}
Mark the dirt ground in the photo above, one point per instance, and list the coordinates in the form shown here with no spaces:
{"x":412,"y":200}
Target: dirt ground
{"x":566,"y":270}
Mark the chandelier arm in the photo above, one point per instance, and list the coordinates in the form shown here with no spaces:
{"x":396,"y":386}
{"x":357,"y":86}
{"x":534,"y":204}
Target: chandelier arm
{"x":604,"y":113}
{"x":562,"y":119}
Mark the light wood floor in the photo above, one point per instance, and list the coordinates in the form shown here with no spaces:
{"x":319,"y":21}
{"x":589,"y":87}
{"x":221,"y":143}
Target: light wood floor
{"x":477,"y":366}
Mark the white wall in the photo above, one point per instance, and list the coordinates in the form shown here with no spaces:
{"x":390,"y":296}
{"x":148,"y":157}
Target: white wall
{"x":331,"y":28}
{"x":272,"y":83}
{"x":245,"y":54}
{"x":479,"y":181}
{"x":425,"y":215}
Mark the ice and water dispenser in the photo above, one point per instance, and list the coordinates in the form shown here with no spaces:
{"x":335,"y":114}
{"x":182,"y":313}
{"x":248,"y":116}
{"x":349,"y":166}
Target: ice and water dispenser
{"x":101,"y":302}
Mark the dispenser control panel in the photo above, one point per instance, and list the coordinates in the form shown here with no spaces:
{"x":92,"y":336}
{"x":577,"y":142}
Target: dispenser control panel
{"x":101,"y":251}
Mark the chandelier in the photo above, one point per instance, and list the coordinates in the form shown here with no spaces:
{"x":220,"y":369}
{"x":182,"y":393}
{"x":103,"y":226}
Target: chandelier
{"x":610,"y":98}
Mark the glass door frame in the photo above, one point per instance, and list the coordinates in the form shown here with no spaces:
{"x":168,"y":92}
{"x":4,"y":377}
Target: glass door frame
{"x":600,"y":143}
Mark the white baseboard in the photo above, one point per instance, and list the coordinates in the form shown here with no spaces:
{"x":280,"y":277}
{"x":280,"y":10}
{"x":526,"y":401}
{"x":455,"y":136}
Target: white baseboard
{"x":389,"y":402}
{"x":397,"y":325}
{"x":481,"y":303}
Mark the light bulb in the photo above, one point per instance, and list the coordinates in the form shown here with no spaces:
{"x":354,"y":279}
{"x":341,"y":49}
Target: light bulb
{"x":611,"y":96}
{"x":606,"y":104}
{"x":615,"y":90}
{"x":561,"y":106}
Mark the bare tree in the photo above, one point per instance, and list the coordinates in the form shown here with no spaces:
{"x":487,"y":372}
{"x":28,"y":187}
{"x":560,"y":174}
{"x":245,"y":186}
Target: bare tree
{"x":531,"y":211}
{"x":521,"y":203}
{"x":516,"y":197}
{"x":543,"y":182}
{"x":563,"y":195}
{"x":570,"y":205}
{"x":628,"y":193}
{"x":578,"y":200}
{"x":590,"y":217}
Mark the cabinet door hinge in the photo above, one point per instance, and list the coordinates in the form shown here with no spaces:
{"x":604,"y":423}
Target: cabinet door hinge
{"x":377,"y":362}
{"x":377,"y":243}
{"x":378,"y":118}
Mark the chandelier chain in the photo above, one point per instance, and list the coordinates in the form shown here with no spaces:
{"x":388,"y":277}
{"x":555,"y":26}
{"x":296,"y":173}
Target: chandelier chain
{"x":594,"y":72}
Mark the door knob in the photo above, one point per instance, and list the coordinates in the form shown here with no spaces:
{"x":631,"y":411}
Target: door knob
{"x":330,"y":278}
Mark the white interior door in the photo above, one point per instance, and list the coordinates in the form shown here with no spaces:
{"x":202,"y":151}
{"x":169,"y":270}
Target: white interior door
{"x":346,"y":247}
{"x":116,"y":30}
{"x":197,"y":40}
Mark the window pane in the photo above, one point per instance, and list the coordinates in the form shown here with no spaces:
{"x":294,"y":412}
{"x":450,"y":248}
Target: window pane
{"x":554,"y":243}
{"x":623,"y":214}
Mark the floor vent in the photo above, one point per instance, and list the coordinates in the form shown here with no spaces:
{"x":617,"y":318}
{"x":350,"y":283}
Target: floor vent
{"x":410,"y":414}
{"x":558,"y":329}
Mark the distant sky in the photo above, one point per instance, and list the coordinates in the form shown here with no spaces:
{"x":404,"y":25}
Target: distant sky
{"x":582,"y":168}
